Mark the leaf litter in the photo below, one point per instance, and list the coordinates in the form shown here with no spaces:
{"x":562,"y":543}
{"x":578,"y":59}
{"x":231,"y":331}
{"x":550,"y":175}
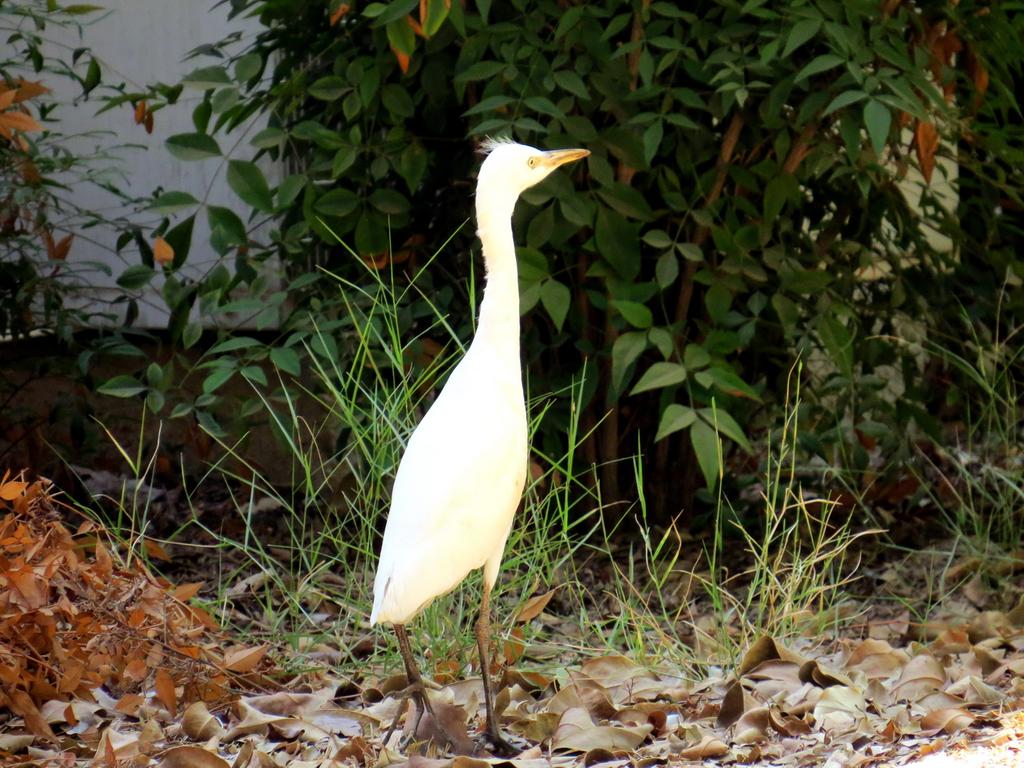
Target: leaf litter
{"x":102,"y":662}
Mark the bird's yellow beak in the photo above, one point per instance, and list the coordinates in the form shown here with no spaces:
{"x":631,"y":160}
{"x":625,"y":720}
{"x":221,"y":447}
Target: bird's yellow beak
{"x":557,"y":157}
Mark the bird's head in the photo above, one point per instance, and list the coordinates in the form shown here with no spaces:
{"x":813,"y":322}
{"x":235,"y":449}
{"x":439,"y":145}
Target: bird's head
{"x":513,"y":168}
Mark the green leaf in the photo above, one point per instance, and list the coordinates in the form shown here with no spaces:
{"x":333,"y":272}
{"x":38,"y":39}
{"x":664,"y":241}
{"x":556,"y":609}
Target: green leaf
{"x":695,"y":357}
{"x":121,"y":386}
{"x":806,"y":281}
{"x":254,"y":374}
{"x":401,"y":36}
{"x":268,"y":138}
{"x":247,"y":67}
{"x":725,"y":380}
{"x":234,"y":343}
{"x":329,"y":88}
{"x":227,"y":223}
{"x":659,"y":376}
{"x":337,"y":202}
{"x":172,"y":202}
{"x":135,"y":277}
{"x":636,"y":314}
{"x":397,"y":100}
{"x":92,"y":76}
{"x":209,"y":424}
{"x":877,"y":120}
{"x":289,"y":189}
{"x":389,"y":201}
{"x":626,"y":200}
{"x":193,"y":146}
{"x":802,"y":32}
{"x":247,"y":181}
{"x":844,"y":99}
{"x":206,"y":78}
{"x":776,"y":193}
{"x":618,"y":243}
{"x":286,"y":359}
{"x":179,"y":237}
{"x":191,"y":334}
{"x":718,"y":299}
{"x":395,"y":10}
{"x":437,"y":12}
{"x":201,"y":115}
{"x":662,"y":339}
{"x":666,"y":270}
{"x":708,"y":450}
{"x":657,"y":238}
{"x":690,"y":251}
{"x":181,"y":409}
{"x":569,"y":81}
{"x":481,"y":70}
{"x":838,"y":340}
{"x":674,"y":418}
{"x":652,"y":140}
{"x":215,"y":380}
{"x":819,"y":65}
{"x":727,"y":425}
{"x":344,"y":158}
{"x":556,"y":298}
{"x":626,"y":349}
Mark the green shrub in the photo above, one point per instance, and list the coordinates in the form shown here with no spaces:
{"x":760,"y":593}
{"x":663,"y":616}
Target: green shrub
{"x":750,"y":164}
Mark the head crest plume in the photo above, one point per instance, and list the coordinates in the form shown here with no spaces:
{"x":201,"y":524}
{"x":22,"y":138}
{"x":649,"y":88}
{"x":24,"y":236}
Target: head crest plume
{"x":491,"y":143}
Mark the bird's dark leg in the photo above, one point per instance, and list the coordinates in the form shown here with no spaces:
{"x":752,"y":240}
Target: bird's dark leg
{"x":412,"y":673}
{"x":483,"y":639}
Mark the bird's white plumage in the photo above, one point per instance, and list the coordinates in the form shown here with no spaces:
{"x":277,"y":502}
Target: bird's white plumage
{"x":463,"y":472}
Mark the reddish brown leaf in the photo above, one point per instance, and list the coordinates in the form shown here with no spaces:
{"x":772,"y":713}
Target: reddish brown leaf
{"x":534,"y":606}
{"x":22,"y":704}
{"x":926,"y":142}
{"x":163,"y":253}
{"x":185,"y":592}
{"x":339,"y":13}
{"x":403,"y":60}
{"x":165,"y":692}
{"x":136,"y":670}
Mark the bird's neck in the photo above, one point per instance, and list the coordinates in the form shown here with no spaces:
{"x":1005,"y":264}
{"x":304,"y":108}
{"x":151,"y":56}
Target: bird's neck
{"x":498,"y":326}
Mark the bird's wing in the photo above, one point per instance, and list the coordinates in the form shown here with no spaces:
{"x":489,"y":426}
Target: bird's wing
{"x":455,"y":493}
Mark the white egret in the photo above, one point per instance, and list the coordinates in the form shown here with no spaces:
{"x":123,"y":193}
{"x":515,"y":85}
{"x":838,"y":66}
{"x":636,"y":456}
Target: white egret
{"x":464,"y":469}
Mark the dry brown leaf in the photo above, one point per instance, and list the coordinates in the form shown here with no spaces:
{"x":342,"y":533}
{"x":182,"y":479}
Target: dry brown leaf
{"x":946,"y":720}
{"x":707,"y":748}
{"x":766,"y":649}
{"x":199,"y":724}
{"x":243,"y":658}
{"x":15,"y":742}
{"x":534,"y":606}
{"x":192,"y":757}
{"x":577,"y":732}
{"x":165,"y":692}
{"x":839,"y":709}
{"x":875,"y":659}
{"x":21,"y":704}
{"x":734,"y":704}
{"x":752,"y":726}
{"x":117,"y":745}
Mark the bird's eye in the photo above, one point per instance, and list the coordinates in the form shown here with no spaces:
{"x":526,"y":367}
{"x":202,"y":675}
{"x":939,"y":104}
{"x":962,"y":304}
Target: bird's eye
{"x":532,"y":162}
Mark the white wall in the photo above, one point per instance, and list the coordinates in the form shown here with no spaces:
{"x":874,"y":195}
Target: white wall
{"x":141,"y":42}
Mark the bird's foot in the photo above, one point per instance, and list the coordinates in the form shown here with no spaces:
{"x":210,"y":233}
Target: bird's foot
{"x":499,"y":746}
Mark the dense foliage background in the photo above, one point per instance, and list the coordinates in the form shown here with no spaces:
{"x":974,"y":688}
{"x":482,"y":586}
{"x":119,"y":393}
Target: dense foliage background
{"x":766,"y":183}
